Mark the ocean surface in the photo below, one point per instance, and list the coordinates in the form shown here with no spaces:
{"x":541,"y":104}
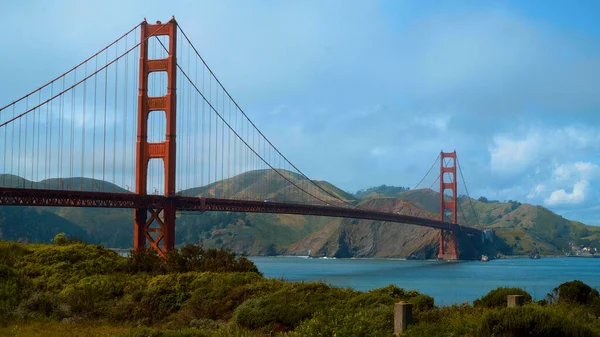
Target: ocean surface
{"x":447,"y":282}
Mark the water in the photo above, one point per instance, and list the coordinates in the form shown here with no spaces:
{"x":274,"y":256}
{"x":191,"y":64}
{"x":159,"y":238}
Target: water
{"x":447,"y":282}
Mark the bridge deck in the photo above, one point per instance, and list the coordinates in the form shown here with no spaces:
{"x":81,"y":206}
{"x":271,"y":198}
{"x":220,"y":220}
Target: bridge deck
{"x":36,"y":197}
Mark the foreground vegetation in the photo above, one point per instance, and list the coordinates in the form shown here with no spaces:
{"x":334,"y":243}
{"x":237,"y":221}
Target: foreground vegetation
{"x":73,"y":289}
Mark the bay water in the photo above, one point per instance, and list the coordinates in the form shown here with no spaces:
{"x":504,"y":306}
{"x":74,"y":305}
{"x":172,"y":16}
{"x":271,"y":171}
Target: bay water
{"x":446,"y":282}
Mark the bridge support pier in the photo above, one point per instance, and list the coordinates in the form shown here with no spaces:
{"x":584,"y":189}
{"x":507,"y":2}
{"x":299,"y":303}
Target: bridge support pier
{"x":161,"y":222}
{"x":448,"y":245}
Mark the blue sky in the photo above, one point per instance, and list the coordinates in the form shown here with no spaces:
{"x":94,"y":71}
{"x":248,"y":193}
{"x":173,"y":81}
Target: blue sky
{"x":363,"y":93}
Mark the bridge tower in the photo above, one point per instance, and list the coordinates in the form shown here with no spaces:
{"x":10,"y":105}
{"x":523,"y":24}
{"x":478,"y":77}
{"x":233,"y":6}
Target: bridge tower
{"x":448,"y":182}
{"x":164,"y":239}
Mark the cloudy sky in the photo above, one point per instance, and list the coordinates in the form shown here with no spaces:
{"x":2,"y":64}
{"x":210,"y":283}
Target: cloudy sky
{"x":363,"y":93}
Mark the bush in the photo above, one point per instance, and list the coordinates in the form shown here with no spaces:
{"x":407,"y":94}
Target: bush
{"x":11,"y":252}
{"x":530,"y":321}
{"x":497,"y":298}
{"x":196,"y":258}
{"x":189,"y":258}
{"x":51,"y":268}
{"x":61,"y":239}
{"x":13,"y":289}
{"x":91,"y":294}
{"x":348,"y":322}
{"x":575,"y":292}
{"x":46,"y":305}
{"x":290,"y":305}
{"x":219,"y":295}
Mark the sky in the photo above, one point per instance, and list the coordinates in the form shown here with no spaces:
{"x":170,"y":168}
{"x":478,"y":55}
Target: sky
{"x":364,"y":93}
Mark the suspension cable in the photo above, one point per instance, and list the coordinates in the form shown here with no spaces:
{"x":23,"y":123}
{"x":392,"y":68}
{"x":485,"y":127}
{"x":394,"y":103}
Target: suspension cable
{"x":72,"y":69}
{"x":467,"y":190}
{"x":243,"y":113}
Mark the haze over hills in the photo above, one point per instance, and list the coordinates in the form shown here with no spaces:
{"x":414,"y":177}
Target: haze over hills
{"x":521,"y":226}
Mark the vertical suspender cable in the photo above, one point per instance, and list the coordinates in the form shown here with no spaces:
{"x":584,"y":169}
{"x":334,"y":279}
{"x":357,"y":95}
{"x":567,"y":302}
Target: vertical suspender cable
{"x":114,"y":159}
{"x":83,"y":131}
{"x":125,"y":108}
{"x":104,"y":124}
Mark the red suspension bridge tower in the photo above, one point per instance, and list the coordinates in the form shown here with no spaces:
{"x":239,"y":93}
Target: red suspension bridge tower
{"x":163,"y":217}
{"x":448,"y":182}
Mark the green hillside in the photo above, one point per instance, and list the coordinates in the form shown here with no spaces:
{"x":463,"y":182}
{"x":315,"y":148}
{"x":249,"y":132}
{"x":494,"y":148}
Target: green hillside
{"x":522,"y":227}
{"x":35,"y":225}
{"x":381,"y":191}
{"x":244,"y":232}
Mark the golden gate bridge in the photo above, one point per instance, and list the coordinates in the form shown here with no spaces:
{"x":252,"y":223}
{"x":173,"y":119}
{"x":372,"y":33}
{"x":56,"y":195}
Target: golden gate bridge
{"x":145,"y":124}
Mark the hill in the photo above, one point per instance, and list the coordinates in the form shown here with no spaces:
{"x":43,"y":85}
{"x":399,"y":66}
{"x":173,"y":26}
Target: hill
{"x":381,"y":191}
{"x":521,"y":226}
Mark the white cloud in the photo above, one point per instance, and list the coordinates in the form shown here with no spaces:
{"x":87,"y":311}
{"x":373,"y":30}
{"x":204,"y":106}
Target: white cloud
{"x":378,"y":151}
{"x":537,"y":190}
{"x":561,"y":197}
{"x":512,"y":154}
{"x":439,"y":123}
{"x":576,"y":171}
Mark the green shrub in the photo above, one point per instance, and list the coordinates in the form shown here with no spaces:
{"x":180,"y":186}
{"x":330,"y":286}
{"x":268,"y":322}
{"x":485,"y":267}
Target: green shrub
{"x":196,"y":258}
{"x":60,"y":239}
{"x":189,"y":258}
{"x":51,"y":268}
{"x":290,"y":305}
{"x":497,"y":298}
{"x":13,"y":289}
{"x":94,"y":294}
{"x":222,"y":331}
{"x":456,"y":320}
{"x":422,"y":302}
{"x":218,"y":296}
{"x":11,"y":252}
{"x":45,"y":304}
{"x":389,"y":295}
{"x":530,"y":321}
{"x":575,"y":292}
{"x":347,"y":321}
{"x":144,"y":260}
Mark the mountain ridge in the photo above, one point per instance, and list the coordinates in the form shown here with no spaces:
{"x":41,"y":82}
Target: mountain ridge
{"x":522,"y":227}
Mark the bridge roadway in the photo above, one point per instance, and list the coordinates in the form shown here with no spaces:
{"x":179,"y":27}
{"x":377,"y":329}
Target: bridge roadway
{"x":44,"y":198}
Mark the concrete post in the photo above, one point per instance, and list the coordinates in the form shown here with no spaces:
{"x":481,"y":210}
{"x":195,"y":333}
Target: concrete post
{"x":402,"y":317}
{"x":515,"y":300}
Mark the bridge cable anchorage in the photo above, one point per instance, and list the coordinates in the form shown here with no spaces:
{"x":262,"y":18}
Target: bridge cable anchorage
{"x":467,"y":190}
{"x":28,"y":110}
{"x":71,"y":70}
{"x":250,"y":121}
{"x":224,"y":122}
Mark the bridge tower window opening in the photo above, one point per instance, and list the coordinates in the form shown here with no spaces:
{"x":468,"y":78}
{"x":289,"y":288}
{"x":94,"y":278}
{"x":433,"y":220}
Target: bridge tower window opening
{"x":157,"y":121}
{"x":157,"y":84}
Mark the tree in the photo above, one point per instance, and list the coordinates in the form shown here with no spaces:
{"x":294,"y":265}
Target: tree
{"x":60,"y":239}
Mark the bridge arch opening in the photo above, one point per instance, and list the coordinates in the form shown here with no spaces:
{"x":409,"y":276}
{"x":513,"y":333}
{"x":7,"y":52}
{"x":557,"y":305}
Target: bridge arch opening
{"x":157,"y":84}
{"x":155,"y":184}
{"x":449,"y":177}
{"x":158,"y":47}
{"x":157,"y":126}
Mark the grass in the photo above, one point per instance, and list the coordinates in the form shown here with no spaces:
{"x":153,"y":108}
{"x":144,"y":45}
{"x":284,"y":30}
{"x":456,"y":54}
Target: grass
{"x":72,"y":289}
